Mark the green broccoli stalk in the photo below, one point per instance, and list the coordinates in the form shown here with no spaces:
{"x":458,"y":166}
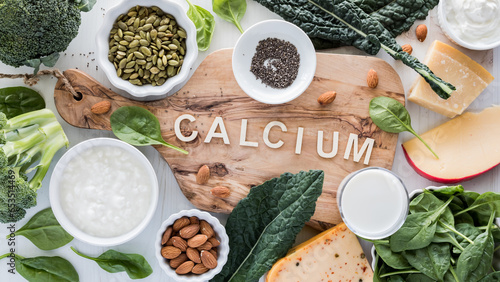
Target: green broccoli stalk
{"x":33,"y":32}
{"x":29,"y":142}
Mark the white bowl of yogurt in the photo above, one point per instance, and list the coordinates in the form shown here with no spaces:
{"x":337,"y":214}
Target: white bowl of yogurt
{"x":103,"y":191}
{"x":473,"y":24}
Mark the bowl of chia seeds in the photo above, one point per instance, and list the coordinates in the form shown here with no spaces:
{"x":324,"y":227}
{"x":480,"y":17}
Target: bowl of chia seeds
{"x":274,"y":61}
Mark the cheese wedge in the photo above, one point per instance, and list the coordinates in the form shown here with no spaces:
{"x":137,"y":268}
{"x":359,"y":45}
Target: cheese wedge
{"x":453,"y":66}
{"x":467,"y":146}
{"x":334,"y":255}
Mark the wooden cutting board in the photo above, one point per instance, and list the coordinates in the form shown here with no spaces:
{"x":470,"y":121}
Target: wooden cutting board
{"x":213,"y":92}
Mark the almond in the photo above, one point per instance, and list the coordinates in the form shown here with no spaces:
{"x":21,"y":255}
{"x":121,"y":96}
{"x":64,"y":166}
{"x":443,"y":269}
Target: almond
{"x":372,"y":78}
{"x":421,"y":32}
{"x":170,"y":252}
{"x":194,"y":220}
{"x":185,"y":268}
{"x":166,"y":235}
{"x":214,"y":242}
{"x":327,"y":97}
{"x":181,"y":223}
{"x":174,"y":263}
{"x":213,"y":251}
{"x":170,"y":242}
{"x":101,"y":107}
{"x":208,"y":260}
{"x":193,"y":255}
{"x":205,"y":247}
{"x":220,"y":192}
{"x":203,"y":175}
{"x":197,"y":241}
{"x":206,"y":229}
{"x":199,"y":269}
{"x":407,"y":48}
{"x":179,"y":243}
{"x":189,"y":231}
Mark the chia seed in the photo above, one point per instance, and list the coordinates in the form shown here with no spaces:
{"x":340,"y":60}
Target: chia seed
{"x":275,"y":62}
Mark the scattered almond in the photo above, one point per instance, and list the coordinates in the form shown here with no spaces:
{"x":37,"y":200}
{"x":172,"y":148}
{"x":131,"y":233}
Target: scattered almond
{"x":203,"y":175}
{"x":101,"y":107}
{"x":193,"y":254}
{"x":208,"y":259}
{"x":166,"y":235}
{"x":199,"y":269}
{"x":220,"y":192}
{"x":372,"y":78}
{"x":205,"y":247}
{"x":174,"y":263}
{"x":181,"y":223}
{"x":206,"y":229}
{"x":180,"y":243}
{"x":185,"y":268}
{"x":189,"y":231}
{"x":170,"y":252}
{"x":407,"y":48}
{"x":421,"y":32}
{"x":214,"y":241}
{"x":327,"y":97}
{"x":194,"y":220}
{"x":197,"y":241}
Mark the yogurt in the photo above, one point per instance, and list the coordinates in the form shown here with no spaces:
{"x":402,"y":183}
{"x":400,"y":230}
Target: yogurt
{"x":474,"y":21}
{"x":373,"y":202}
{"x":105,"y":192}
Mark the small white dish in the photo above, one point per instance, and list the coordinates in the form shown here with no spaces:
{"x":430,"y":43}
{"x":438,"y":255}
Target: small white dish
{"x":55,"y":197}
{"x":222,"y":249}
{"x":244,"y":50}
{"x":147,"y":92}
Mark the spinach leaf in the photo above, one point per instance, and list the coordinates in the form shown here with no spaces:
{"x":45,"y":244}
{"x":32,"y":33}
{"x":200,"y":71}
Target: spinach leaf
{"x":44,"y":231}
{"x":492,"y":277}
{"x":112,"y":261}
{"x":475,"y":261}
{"x":19,"y":100}
{"x":205,"y":25}
{"x":468,"y":230}
{"x":433,"y":260}
{"x":263,"y":226}
{"x":41,"y":269}
{"x":448,"y":237}
{"x":484,"y":200}
{"x":392,"y":259}
{"x":230,"y":10}
{"x":391,"y":116}
{"x":139,"y":127}
{"x":450,"y":190}
{"x":418,"y":278}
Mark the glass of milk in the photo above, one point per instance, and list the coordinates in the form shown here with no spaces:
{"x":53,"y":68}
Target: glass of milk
{"x":373,"y":202}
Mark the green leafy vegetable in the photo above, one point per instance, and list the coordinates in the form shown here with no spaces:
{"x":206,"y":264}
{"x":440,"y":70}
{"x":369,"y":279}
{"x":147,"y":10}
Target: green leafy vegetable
{"x":138,"y":127}
{"x":433,"y":260}
{"x":41,"y":269}
{"x":230,"y":10}
{"x":485,"y":200}
{"x":392,"y":259}
{"x":391,"y":116}
{"x":205,"y":25}
{"x":44,"y":231}
{"x":112,"y":261}
{"x":367,"y":25}
{"x":85,"y":5}
{"x":492,"y":277}
{"x":19,"y":100}
{"x":263,"y":226}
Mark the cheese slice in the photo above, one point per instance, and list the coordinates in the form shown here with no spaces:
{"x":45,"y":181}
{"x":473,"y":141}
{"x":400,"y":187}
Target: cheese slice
{"x":453,"y":66}
{"x":334,"y":255}
{"x":466,"y":145}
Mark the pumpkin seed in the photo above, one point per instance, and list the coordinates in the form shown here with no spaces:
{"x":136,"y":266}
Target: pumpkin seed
{"x":145,"y":50}
{"x":144,"y":42}
{"x":128,"y":70}
{"x":154,"y":34}
{"x":130,"y":64}
{"x":147,"y":27}
{"x":122,"y":25}
{"x":173,"y":63}
{"x":134,"y":43}
{"x":128,"y":38}
{"x":138,"y":55}
{"x":134,"y":76}
{"x":182,"y":33}
{"x":120,"y":33}
{"x":140,"y":62}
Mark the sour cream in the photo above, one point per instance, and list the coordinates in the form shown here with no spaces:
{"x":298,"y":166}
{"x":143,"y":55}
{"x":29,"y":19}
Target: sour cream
{"x":105,"y":192}
{"x":474,"y":21}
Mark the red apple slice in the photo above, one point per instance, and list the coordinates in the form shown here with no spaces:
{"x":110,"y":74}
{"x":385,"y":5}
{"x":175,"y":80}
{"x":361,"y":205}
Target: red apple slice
{"x":467,"y":146}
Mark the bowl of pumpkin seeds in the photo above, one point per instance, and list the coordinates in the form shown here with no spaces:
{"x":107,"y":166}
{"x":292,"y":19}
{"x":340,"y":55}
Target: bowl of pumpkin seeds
{"x":147,"y":47}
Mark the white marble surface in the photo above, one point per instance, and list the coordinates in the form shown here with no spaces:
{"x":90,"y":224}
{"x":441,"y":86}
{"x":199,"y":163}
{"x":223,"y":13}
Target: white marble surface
{"x":80,"y":54}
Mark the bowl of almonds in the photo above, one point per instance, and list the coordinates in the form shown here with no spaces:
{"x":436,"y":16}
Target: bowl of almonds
{"x":192,"y":245}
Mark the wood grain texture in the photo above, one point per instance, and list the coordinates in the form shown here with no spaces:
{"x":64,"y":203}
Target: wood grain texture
{"x":212,"y":91}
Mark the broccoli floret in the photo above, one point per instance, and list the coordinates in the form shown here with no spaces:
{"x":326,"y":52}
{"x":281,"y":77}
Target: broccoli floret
{"x":30,"y":142}
{"x":35,"y":31}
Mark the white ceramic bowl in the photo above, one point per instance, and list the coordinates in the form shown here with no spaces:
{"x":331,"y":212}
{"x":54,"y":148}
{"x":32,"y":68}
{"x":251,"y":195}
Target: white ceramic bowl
{"x":55,"y":200}
{"x":222,"y":249}
{"x":453,"y":35}
{"x":245,"y":49}
{"x":147,"y":92}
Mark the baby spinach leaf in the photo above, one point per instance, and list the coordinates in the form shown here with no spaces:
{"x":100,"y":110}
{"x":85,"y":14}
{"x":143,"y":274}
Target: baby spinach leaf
{"x":448,"y":237}
{"x":418,"y":278}
{"x":492,"y":277}
{"x":44,"y":231}
{"x":139,"y":127}
{"x":392,"y":259}
{"x":19,"y":100}
{"x":230,"y":10}
{"x":263,"y":226}
{"x":205,"y":25}
{"x":41,"y":269}
{"x":450,"y":190}
{"x":112,"y":261}
{"x":433,"y":260}
{"x":485,"y":200}
{"x":391,"y":116}
{"x":468,"y":230}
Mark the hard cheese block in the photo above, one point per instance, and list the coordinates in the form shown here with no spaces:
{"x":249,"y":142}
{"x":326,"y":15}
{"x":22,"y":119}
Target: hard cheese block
{"x":466,"y":145}
{"x":334,"y":255}
{"x":453,"y":66}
